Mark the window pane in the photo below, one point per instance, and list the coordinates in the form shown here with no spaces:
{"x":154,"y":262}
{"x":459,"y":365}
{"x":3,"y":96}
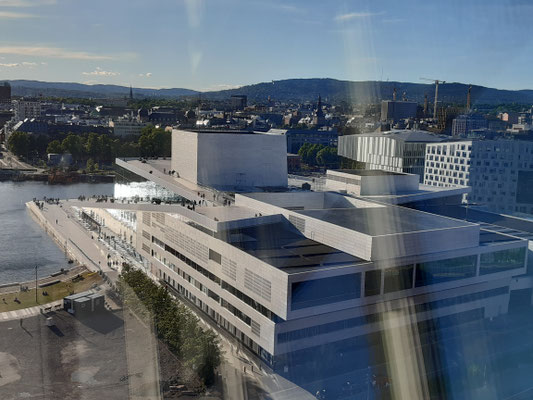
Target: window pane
{"x":324,"y":291}
{"x":502,"y":260}
{"x":429,"y":273}
{"x":398,"y":278}
{"x":372,"y":282}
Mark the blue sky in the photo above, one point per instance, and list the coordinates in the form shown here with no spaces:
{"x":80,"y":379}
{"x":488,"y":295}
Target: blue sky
{"x":216,"y":44}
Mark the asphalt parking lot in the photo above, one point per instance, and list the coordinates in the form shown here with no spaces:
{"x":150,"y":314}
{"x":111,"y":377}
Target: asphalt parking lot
{"x":75,"y":359}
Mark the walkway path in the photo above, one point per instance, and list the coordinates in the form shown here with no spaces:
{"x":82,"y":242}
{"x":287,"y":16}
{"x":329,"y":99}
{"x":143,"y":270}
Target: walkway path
{"x":30,"y":312}
{"x":79,"y":243}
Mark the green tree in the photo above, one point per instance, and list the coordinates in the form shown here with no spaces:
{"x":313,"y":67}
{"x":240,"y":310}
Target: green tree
{"x":19,"y":143}
{"x":74,"y":145}
{"x":92,"y":145}
{"x":154,"y":142}
{"x":91,"y":165}
{"x":105,"y":144}
{"x":54,"y":147}
{"x":303,"y":152}
{"x":129,"y":149}
{"x":197,"y":348}
{"x":308,"y":153}
{"x":327,"y":157}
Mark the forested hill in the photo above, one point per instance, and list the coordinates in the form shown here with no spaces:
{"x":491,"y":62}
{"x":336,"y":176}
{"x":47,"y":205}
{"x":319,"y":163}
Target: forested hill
{"x":299,"y":90}
{"x":372,"y":92}
{"x":80,"y":90}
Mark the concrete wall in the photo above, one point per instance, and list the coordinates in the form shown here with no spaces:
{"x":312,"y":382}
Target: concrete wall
{"x":230,"y":160}
{"x":184,"y":154}
{"x":242,"y":160}
{"x":195,"y":244}
{"x":372,"y":185}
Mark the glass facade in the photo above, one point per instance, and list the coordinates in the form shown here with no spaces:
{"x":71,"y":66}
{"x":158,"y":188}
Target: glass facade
{"x":318,"y":292}
{"x":398,"y":278}
{"x":432,"y":272}
{"x":503,"y":260}
{"x":372,"y":282}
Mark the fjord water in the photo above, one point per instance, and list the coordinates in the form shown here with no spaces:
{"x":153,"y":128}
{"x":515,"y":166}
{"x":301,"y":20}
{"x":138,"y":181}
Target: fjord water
{"x":23,"y":243}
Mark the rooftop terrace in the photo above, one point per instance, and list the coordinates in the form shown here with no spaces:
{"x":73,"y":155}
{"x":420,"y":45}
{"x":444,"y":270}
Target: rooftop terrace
{"x":384,"y":220}
{"x":283,"y":247}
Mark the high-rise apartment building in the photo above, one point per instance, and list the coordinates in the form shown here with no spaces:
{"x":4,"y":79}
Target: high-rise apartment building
{"x":26,"y":109}
{"x":500,"y":172}
{"x":393,"y":111}
{"x":462,"y":125}
{"x":5,"y":92}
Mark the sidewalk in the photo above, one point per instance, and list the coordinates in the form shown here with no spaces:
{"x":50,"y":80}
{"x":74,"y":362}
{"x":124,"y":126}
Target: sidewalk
{"x":29,"y":312}
{"x":62,"y":276}
{"x":78,"y":241}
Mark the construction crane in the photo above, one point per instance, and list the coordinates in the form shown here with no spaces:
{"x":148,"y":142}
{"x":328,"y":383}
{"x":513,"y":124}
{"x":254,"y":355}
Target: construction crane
{"x":437,"y":82}
{"x":468,"y":98}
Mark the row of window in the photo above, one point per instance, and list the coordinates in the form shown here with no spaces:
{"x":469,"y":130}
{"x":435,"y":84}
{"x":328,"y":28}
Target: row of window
{"x":324,"y":329}
{"x":234,"y":310}
{"x":434,"y":272}
{"x":323,"y":291}
{"x":449,"y":160}
{"x":226,"y":286}
{"x":220,"y":320}
{"x":445,"y":149}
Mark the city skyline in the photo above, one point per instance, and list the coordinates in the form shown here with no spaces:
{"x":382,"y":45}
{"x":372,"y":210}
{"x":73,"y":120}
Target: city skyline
{"x":205,"y":45}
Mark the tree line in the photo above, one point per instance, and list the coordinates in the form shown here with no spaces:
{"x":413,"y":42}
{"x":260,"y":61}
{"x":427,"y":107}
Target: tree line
{"x":197,"y":348}
{"x":102,"y":148}
{"x":318,"y":155}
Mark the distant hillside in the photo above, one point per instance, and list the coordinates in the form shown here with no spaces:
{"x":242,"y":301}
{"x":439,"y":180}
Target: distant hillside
{"x":371,"y":92}
{"x":66,"y":89}
{"x":300,"y":90}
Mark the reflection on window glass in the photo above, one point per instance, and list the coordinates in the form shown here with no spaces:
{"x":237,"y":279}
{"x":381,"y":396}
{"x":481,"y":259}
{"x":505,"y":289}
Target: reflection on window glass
{"x":325,"y":291}
{"x":502,"y":260}
{"x":372,"y":282}
{"x":398,"y":278}
{"x":432,"y":272}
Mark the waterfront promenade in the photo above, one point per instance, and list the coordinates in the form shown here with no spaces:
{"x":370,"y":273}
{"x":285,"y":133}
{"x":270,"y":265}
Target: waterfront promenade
{"x":73,"y":238}
{"x":241,"y":375}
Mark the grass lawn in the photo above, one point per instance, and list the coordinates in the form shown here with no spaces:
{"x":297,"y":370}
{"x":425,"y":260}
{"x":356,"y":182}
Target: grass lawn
{"x":55,"y":292}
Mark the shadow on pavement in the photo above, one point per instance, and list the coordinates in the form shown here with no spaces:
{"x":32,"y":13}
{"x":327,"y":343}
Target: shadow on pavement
{"x":102,"y":322}
{"x":56,"y":331}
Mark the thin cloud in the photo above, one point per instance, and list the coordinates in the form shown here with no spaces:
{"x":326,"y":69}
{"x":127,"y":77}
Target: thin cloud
{"x":147,"y":75}
{"x":222,"y":86}
{"x":15,"y":15}
{"x":355,"y":15}
{"x":17,"y":65}
{"x":51,"y":52}
{"x":100,"y":72}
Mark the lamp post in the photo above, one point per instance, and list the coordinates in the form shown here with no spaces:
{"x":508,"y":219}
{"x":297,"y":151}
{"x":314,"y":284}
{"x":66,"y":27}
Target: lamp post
{"x":36,"y":301}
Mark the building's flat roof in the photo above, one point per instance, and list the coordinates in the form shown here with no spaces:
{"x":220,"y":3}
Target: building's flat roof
{"x":222,"y":131}
{"x":424,"y":192}
{"x":284,"y":247}
{"x":407,"y":135}
{"x":383,"y":220}
{"x":501,"y":223}
{"x":228,"y":213}
{"x":488,"y":237}
{"x":367,"y":172}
